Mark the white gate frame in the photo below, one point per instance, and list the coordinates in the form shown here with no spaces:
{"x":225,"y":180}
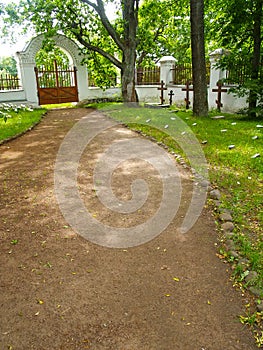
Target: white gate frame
{"x":27,"y":64}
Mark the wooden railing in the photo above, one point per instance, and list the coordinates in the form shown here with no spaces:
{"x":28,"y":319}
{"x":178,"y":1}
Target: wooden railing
{"x":237,"y":74}
{"x":182,"y":73}
{"x":9,"y":82}
{"x":147,"y":76}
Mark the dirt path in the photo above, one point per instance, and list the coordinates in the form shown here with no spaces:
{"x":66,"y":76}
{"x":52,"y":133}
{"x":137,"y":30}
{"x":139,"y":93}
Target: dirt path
{"x":60,"y":291}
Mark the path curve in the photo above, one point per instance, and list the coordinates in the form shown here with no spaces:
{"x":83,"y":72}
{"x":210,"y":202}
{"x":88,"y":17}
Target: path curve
{"x":61,"y":291}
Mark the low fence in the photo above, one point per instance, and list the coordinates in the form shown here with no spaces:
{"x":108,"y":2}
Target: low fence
{"x":147,"y":76}
{"x":183,"y":73}
{"x":237,"y":74}
{"x":175,"y":76}
{"x":9,"y":82}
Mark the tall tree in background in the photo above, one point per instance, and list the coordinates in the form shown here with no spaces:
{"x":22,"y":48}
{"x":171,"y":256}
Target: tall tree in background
{"x":256,"y":56}
{"x":200,"y":104}
{"x":236,"y":25}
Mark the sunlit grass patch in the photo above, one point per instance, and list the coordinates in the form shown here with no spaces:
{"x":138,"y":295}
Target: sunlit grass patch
{"x":17,"y":119}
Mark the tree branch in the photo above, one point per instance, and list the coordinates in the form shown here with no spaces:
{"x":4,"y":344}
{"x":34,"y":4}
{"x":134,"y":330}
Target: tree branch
{"x":91,"y":47}
{"x":99,"y":8}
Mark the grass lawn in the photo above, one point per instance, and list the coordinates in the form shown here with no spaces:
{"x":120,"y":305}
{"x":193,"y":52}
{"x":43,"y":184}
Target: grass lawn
{"x":18,"y":120}
{"x":236,"y":170}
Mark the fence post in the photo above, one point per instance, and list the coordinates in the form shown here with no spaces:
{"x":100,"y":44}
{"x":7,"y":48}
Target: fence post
{"x":215,"y":72}
{"x":166,"y":73}
{"x":28,"y":79}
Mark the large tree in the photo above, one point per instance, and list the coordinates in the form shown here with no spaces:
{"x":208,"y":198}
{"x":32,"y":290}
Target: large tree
{"x":87,"y":22}
{"x":138,"y":35}
{"x":236,"y":25}
{"x":200,"y":105}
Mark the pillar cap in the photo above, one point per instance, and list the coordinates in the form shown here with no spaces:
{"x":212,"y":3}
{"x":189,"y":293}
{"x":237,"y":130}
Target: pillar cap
{"x":167,"y":59}
{"x":219,"y":52}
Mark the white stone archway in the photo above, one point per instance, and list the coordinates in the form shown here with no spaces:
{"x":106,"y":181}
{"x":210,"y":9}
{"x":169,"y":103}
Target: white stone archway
{"x":27,"y":64}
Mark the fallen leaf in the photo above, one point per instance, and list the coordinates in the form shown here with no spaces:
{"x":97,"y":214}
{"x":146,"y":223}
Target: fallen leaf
{"x":176,"y":279}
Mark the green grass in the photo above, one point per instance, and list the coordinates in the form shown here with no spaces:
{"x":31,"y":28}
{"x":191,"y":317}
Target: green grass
{"x":18,"y":122}
{"x":60,"y":105}
{"x":237,"y":175}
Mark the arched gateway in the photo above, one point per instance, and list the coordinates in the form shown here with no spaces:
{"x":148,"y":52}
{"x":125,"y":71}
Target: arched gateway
{"x":70,"y":85}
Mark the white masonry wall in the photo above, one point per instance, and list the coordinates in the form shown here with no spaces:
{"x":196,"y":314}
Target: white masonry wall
{"x":146,"y":93}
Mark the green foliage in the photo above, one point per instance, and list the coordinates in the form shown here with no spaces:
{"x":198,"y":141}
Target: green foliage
{"x":8,"y":65}
{"x":46,"y":57}
{"x":237,"y":25}
{"x":164,"y":29}
{"x":243,"y":91}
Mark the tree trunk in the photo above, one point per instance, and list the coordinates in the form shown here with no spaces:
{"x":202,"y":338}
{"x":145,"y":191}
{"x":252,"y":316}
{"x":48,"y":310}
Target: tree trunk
{"x":130,"y":19}
{"x":200,"y":105}
{"x":256,"y":58}
{"x":128,"y":75}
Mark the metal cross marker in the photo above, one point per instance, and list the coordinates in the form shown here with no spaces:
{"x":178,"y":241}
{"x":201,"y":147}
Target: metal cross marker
{"x":171,"y":94}
{"x":219,"y":90}
{"x":162,"y":88}
{"x":187,"y":89}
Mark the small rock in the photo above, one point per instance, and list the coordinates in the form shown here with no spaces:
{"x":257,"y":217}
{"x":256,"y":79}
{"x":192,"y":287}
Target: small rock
{"x":225,"y":217}
{"x":228,"y":226}
{"x":260,"y":306}
{"x":254,"y":137}
{"x":259,"y":126}
{"x":166,"y":126}
{"x":234,"y":254}
{"x":225,"y":211}
{"x":205,"y":183}
{"x":243,"y":262}
{"x":234,"y":123}
{"x":256,"y":291}
{"x":216,"y":203}
{"x":231,"y":146}
{"x":215,"y":194}
{"x":230,"y":245}
{"x":229,"y":235}
{"x":224,"y":130}
{"x":251,"y":276}
{"x":204,"y":142}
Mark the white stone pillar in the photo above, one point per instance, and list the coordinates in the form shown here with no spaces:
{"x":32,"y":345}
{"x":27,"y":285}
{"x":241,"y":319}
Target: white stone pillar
{"x":82,"y":79}
{"x":166,"y":69}
{"x":28,"y":77}
{"x":216,"y":73}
